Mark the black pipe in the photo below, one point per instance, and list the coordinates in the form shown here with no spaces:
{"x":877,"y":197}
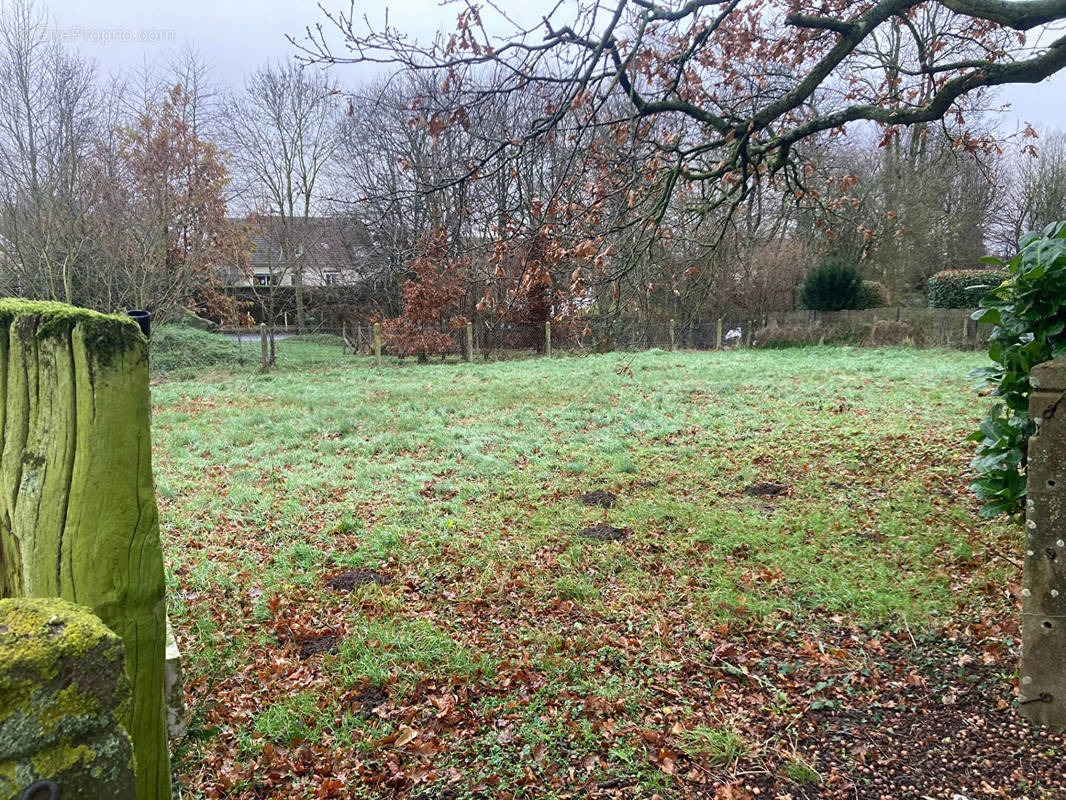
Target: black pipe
{"x":42,"y":790}
{"x":142,"y":318}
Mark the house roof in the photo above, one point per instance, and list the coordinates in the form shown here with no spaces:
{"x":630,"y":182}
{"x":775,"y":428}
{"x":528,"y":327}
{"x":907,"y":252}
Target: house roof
{"x":321,"y":243}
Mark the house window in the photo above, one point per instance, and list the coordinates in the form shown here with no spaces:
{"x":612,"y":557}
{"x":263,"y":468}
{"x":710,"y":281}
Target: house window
{"x":332,"y":278}
{"x":265,"y":279}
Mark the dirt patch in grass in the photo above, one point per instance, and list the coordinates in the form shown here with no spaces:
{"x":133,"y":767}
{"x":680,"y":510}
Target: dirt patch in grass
{"x":347,"y":581}
{"x":317,"y":645}
{"x":952,"y":731}
{"x":605,"y":533}
{"x":599,"y":497}
{"x":370,"y":697}
{"x":767,"y":489}
{"x":936,"y":750}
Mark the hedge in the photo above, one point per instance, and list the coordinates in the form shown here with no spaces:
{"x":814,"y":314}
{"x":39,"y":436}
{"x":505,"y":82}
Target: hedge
{"x":872,"y":294}
{"x":962,"y":288}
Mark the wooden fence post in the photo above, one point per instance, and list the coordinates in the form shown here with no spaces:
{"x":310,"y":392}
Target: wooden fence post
{"x":264,"y":359}
{"x":548,"y":339}
{"x":78,"y":517}
{"x":718,"y":337}
{"x":377,"y":345}
{"x":470,"y":342}
{"x":671,"y":336}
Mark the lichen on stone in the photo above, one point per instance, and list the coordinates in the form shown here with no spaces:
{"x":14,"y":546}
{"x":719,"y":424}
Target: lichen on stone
{"x":62,"y":684}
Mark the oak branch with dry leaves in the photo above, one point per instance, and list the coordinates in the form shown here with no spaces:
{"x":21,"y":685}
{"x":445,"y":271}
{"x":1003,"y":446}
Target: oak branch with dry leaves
{"x":734,"y":86}
{"x":659,"y":121}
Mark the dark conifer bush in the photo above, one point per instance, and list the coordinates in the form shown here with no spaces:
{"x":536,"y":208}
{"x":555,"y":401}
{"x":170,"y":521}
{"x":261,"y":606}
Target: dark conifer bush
{"x":833,"y":285}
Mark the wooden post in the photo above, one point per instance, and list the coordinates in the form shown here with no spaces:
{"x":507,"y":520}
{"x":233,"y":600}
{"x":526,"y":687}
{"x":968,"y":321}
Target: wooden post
{"x":264,"y":343}
{"x":750,"y":334}
{"x":718,"y":337}
{"x":470,"y":342}
{"x":1042,"y":679}
{"x":671,"y":336}
{"x":377,"y":345}
{"x":965,"y":331}
{"x":78,"y":517}
{"x":548,"y":339}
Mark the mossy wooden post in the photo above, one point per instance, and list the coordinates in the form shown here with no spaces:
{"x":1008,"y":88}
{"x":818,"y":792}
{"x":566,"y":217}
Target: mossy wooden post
{"x":671,"y":336}
{"x":78,"y":517}
{"x":377,"y":345}
{"x":548,"y":339}
{"x":718,"y":337}
{"x":63,"y":691}
{"x":470,"y":342}
{"x":1042,"y":682}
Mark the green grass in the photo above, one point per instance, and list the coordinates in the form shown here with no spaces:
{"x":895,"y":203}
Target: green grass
{"x":176,"y":348}
{"x":178,"y":351}
{"x":459,"y":483}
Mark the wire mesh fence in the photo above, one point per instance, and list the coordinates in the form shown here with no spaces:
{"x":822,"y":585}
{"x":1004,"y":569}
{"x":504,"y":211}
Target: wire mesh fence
{"x":496,"y":339}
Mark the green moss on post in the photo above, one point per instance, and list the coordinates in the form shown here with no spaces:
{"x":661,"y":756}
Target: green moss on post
{"x":62,"y":692}
{"x":78,"y":517}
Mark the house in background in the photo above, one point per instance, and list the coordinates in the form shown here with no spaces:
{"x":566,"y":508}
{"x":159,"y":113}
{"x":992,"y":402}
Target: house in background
{"x":325,"y":251}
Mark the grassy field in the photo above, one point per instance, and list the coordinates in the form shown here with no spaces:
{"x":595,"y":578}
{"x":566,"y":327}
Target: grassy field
{"x":791,"y":543}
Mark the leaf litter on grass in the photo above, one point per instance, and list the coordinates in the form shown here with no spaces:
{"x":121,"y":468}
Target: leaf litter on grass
{"x":720,"y":653}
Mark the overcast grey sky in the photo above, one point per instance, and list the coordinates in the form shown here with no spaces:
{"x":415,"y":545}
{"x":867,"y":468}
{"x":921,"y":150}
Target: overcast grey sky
{"x":236,"y":36}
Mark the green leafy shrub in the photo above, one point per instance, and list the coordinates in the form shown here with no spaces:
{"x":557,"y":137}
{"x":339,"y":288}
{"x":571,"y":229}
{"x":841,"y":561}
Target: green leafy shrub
{"x":873,"y":294}
{"x":1028,"y":313}
{"x":833,"y":285}
{"x":962,"y":288}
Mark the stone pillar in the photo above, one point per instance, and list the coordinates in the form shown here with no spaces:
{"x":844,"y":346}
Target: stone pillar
{"x":63,"y":692}
{"x":1042,"y":683}
{"x":78,"y":516}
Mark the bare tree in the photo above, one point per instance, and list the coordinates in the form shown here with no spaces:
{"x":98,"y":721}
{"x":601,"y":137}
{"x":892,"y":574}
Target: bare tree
{"x":1032,"y":189}
{"x":48,"y":121}
{"x":282,"y":131}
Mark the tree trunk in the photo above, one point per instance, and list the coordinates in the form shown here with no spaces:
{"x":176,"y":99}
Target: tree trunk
{"x":298,"y":284}
{"x":78,"y":517}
